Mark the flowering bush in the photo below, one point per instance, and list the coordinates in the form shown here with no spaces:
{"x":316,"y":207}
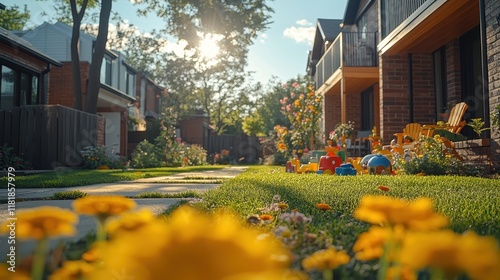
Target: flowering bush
{"x":431,"y":157}
{"x":303,"y":109}
{"x":101,"y":156}
{"x":146,"y":155}
{"x":342,"y":129}
{"x":8,"y":159}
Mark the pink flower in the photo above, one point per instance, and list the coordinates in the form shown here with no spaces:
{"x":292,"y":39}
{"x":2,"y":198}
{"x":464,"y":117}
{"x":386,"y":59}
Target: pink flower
{"x":295,"y":85}
{"x":285,"y":85}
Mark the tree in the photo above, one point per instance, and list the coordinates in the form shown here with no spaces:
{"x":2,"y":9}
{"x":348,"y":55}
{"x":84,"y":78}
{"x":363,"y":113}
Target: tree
{"x":13,"y":19}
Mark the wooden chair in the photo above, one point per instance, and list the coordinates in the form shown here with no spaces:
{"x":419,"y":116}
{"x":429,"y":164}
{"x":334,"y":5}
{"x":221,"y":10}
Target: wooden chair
{"x":412,"y":130}
{"x":455,"y":121}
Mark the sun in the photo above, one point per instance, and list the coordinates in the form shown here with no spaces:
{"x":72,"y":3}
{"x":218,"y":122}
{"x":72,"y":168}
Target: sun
{"x":208,"y":47}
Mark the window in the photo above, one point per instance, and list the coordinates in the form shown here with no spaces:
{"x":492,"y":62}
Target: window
{"x":441,"y":81}
{"x":106,"y":71}
{"x":7,"y":94}
{"x":367,"y":109}
{"x":18,"y":87}
{"x":130,"y":82}
{"x":143,"y":97}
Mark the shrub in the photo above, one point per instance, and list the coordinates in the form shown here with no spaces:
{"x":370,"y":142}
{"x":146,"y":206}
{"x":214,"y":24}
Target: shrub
{"x":431,"y":158}
{"x":101,"y":156}
{"x":9,"y":159}
{"x":146,"y":155}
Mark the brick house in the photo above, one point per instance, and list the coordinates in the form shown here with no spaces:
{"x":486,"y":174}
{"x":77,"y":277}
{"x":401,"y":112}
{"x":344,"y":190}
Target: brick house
{"x":126,"y":96}
{"x":431,"y":54}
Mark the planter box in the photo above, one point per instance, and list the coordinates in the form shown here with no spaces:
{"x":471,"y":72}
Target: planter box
{"x":475,"y":151}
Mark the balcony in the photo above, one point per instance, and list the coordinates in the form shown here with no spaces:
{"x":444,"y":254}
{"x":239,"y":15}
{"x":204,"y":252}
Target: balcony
{"x":394,"y":12}
{"x":423,"y":26}
{"x":350,"y":49}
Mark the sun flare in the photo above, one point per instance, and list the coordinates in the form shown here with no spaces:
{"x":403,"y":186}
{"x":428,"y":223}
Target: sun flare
{"x":208,"y":47}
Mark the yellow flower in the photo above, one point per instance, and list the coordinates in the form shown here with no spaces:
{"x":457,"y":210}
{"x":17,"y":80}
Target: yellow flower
{"x":403,"y":273}
{"x":129,"y":222}
{"x":370,"y":244}
{"x":103,"y":206}
{"x":43,"y":222}
{"x":418,"y":215}
{"x":480,"y":256}
{"x":432,"y":249}
{"x":282,"y":205}
{"x":193,"y":245}
{"x":72,"y":270}
{"x":325,"y":259}
{"x":323,"y":206}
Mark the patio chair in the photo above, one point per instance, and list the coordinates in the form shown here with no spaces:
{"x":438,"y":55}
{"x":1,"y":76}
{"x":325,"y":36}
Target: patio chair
{"x":454,"y":124}
{"x":360,"y":145}
{"x":411,"y":133}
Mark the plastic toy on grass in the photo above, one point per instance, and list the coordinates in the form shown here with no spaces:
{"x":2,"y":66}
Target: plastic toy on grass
{"x":345,"y":169}
{"x":379,"y":164}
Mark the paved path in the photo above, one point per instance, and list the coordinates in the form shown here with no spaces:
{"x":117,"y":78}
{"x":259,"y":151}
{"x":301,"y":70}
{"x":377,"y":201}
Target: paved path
{"x":125,"y":188}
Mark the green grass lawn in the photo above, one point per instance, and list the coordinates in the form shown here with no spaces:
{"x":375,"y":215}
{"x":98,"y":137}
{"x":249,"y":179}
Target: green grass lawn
{"x":469,"y":202}
{"x":80,"y":177}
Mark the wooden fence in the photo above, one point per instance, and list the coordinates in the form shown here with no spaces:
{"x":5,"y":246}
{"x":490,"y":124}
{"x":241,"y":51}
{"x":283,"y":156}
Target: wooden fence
{"x":48,"y":136}
{"x":242,"y":148}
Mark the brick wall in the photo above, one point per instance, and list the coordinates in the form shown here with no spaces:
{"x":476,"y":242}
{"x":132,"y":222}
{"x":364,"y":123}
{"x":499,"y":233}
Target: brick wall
{"x":492,"y":8}
{"x":331,"y":112}
{"x":192,"y":130}
{"x":423,"y":89}
{"x":394,"y":93}
{"x":394,"y":104}
{"x":14,"y":54}
{"x":61,"y":84}
{"x":353,"y":105}
{"x":454,"y":86}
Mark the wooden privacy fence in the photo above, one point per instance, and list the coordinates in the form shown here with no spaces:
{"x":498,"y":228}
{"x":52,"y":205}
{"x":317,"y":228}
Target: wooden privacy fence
{"x":48,"y":136}
{"x":242,"y":148}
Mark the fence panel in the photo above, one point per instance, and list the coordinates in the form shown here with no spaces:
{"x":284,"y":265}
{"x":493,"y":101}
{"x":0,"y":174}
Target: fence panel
{"x":48,"y":136}
{"x":242,"y":148}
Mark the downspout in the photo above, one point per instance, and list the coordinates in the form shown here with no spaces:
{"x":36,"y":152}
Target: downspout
{"x":484,"y":66}
{"x":43,"y":86}
{"x":410,"y":85}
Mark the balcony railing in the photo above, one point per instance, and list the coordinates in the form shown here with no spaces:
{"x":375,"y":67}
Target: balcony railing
{"x":357,"y":49}
{"x":394,"y":12}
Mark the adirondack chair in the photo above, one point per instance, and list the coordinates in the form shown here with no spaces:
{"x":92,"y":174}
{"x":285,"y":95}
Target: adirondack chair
{"x":455,"y":121}
{"x":411,"y":133}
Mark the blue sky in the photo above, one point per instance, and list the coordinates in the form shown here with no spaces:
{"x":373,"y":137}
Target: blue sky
{"x":280,"y":51}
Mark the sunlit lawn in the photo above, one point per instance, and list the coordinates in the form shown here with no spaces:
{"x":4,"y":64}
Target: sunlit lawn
{"x":80,"y":177}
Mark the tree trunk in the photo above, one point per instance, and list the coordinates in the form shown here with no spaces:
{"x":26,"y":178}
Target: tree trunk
{"x":97,"y":56}
{"x":75,"y":53}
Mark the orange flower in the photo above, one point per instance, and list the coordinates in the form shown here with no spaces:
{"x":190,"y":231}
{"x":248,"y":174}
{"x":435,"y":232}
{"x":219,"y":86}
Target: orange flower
{"x":266,"y":217}
{"x":383,"y":188}
{"x":323,"y":206}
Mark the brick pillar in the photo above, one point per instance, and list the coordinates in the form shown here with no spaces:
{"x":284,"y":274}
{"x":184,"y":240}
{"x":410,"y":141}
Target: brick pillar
{"x":424,"y":100}
{"x":393,"y":102}
{"x":331,"y":112}
{"x":492,"y":8}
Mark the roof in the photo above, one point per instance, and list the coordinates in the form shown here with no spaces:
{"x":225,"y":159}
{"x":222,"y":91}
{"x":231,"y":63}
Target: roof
{"x":351,"y":10}
{"x":24,"y":46}
{"x":326,"y":30}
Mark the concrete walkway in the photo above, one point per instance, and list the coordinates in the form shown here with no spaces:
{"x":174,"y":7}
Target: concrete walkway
{"x":125,"y":188}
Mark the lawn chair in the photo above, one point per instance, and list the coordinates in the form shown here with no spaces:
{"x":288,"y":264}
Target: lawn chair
{"x":411,"y":133}
{"x":454,"y":124}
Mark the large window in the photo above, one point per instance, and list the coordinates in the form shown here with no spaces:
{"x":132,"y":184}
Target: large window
{"x":18,"y":87}
{"x":367,"y":109}
{"x":441,"y":81}
{"x":106,"y":71}
{"x":130,"y":82}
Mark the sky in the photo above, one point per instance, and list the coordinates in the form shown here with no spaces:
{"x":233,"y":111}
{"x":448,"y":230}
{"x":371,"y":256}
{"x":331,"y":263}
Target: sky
{"x":279,"y":51}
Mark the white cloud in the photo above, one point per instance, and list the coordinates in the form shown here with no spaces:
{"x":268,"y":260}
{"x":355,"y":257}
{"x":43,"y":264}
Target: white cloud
{"x":303,"y":22}
{"x":263,"y":38}
{"x":300,"y":34}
